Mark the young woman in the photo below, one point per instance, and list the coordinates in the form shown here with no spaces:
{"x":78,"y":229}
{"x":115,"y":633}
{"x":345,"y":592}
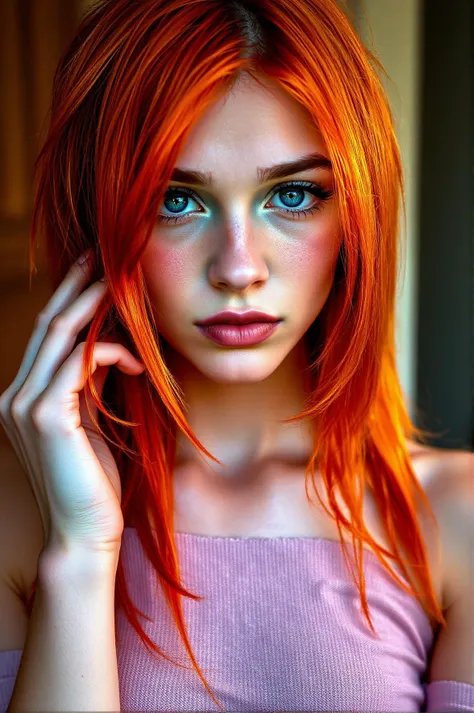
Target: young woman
{"x":231,"y":168}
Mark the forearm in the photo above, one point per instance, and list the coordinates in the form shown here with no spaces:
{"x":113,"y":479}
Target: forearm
{"x":69,"y":660}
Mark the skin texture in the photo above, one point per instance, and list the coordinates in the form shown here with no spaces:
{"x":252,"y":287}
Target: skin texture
{"x":238,"y":249}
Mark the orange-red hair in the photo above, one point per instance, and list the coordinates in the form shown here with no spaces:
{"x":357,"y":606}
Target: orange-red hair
{"x":126,"y":93}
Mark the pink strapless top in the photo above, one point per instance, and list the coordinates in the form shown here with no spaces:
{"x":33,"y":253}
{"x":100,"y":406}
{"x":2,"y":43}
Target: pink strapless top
{"x":280,"y":629}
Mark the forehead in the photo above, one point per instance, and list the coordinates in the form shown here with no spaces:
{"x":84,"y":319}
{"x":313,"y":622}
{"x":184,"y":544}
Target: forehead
{"x":250,"y":126}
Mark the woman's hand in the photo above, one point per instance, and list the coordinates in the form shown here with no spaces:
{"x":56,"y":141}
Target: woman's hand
{"x":69,"y":466}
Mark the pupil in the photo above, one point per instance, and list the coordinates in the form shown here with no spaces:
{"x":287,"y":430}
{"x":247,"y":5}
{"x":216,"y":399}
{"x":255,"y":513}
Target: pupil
{"x":177,"y":200}
{"x":296,"y":196}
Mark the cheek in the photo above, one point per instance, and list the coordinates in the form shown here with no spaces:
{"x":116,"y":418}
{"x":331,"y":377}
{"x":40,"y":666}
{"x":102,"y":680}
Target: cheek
{"x":305,"y":265}
{"x":167,"y":273}
{"x":311,"y":265}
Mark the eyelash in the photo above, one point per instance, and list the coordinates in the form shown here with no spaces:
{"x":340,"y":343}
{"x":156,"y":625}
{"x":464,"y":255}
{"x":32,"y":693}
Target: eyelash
{"x":316,"y":189}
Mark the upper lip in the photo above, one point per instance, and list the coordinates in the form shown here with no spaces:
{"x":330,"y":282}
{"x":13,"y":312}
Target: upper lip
{"x":231,"y":317}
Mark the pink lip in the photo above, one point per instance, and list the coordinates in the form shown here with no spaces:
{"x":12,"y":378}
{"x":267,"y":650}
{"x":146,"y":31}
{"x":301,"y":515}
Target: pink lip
{"x":234,"y":317}
{"x":243,"y":335}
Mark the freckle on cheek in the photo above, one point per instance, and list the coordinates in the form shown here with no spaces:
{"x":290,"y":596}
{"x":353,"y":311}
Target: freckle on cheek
{"x":309,"y":258}
{"x":167,"y":265}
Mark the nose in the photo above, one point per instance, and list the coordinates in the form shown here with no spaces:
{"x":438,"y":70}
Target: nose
{"x":238,"y":262}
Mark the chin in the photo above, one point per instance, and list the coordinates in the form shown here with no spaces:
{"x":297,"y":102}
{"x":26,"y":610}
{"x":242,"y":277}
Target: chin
{"x":225,"y":365}
{"x":238,"y":368}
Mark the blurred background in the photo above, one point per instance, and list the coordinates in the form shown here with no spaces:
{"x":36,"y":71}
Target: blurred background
{"x":427,"y":53}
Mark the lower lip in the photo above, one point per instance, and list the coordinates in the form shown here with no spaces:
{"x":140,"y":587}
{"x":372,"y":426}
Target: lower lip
{"x":243,"y":335}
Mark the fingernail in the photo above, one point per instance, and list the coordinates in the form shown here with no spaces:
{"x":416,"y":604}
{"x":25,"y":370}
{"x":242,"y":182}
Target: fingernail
{"x":102,"y":279}
{"x":84,"y":257}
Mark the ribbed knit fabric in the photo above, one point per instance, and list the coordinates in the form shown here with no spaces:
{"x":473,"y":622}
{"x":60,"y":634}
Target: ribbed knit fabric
{"x":280,"y":629}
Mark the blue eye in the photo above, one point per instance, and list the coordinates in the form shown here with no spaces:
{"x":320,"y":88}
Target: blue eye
{"x":180,"y":197}
{"x":296,"y":189}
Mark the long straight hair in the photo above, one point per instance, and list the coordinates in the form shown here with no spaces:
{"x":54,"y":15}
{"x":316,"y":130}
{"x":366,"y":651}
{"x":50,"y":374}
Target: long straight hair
{"x":126,"y":93}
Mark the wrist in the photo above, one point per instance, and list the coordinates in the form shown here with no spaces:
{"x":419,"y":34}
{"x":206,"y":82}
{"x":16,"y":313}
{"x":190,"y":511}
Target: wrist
{"x":77,"y":566}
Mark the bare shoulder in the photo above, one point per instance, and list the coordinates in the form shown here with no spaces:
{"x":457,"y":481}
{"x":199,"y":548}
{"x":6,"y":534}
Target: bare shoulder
{"x":438,"y":467}
{"x":21,"y":542}
{"x":448,"y":480}
{"x":447,"y":477}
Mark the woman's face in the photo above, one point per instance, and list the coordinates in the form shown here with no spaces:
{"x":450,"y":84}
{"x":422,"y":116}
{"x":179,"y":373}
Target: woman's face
{"x":240,"y":243}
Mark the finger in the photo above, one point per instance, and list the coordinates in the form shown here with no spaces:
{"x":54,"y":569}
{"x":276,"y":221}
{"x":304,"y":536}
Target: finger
{"x":60,"y":340}
{"x":53,"y":349}
{"x":57,"y":411}
{"x":99,"y":380}
{"x":75,"y":280}
{"x":29,"y":464}
{"x":73,"y":284}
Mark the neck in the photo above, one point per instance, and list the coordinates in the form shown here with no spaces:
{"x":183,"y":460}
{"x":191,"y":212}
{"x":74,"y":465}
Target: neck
{"x":240,"y":423}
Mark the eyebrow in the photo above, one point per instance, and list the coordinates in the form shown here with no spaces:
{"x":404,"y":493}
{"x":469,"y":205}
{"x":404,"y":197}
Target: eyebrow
{"x":279,"y":170}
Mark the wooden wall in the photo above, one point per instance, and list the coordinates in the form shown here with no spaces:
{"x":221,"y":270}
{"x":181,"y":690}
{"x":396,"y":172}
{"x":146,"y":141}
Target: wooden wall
{"x":33,"y":34}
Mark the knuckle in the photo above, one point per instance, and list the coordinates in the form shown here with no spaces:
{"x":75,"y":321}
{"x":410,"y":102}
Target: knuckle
{"x":41,"y":414}
{"x":19,"y":406}
{"x":59,"y":323}
{"x":4,"y":413}
{"x":80,"y":348}
{"x":42,"y":319}
{"x":5,"y":401}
